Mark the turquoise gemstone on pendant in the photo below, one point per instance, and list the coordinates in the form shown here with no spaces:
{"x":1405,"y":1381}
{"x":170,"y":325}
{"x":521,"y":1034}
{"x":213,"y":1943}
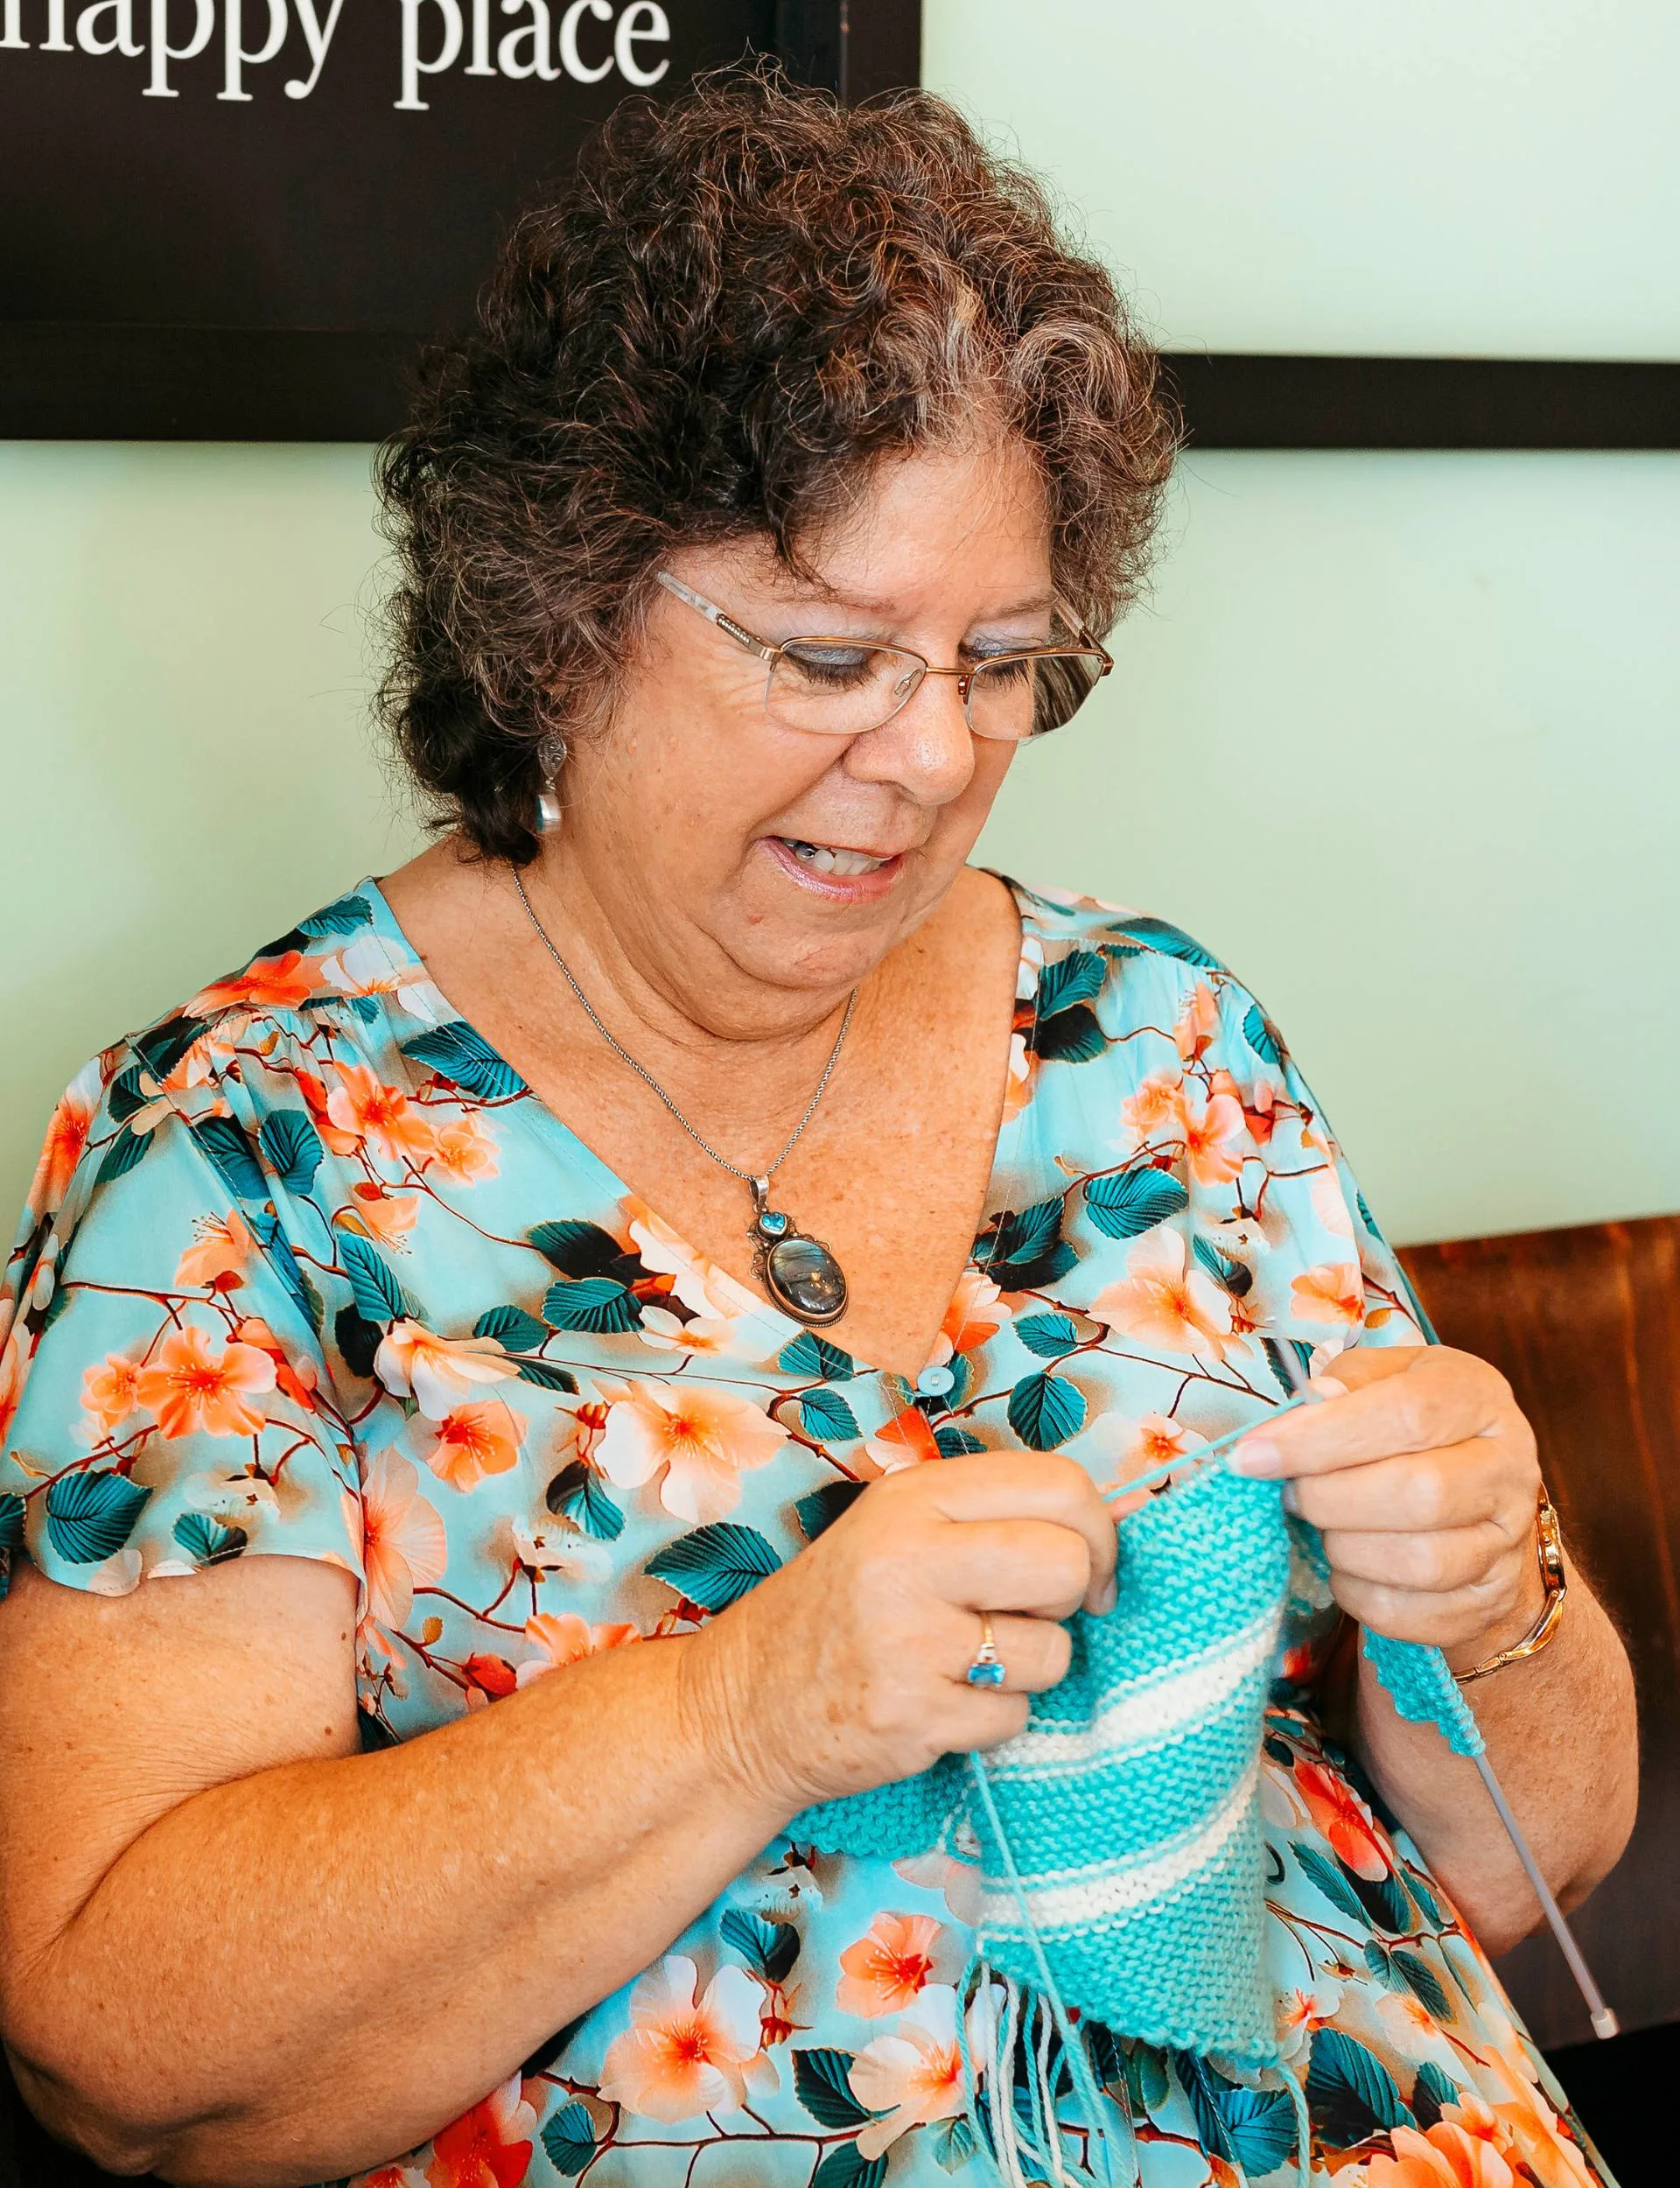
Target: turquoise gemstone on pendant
{"x":804,"y":1279}
{"x":773,"y":1223}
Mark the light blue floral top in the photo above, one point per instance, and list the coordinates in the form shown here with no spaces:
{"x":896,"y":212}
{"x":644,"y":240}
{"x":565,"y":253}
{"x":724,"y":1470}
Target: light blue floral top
{"x":306,"y":1267}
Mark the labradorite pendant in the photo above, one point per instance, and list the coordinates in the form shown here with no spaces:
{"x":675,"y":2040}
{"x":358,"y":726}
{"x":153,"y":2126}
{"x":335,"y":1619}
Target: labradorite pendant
{"x":799,"y":1273}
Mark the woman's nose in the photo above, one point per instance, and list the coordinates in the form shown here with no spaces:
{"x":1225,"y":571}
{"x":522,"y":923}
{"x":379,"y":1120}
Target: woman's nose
{"x":926,"y":749}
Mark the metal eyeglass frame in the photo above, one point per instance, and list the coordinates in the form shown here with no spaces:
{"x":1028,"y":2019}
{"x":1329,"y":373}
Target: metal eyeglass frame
{"x":1088,"y":646}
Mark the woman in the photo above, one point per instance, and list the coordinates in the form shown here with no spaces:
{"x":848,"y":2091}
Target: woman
{"x":671,"y":1210}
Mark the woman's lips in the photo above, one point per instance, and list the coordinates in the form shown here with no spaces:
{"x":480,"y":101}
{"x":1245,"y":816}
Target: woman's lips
{"x":867,"y":887}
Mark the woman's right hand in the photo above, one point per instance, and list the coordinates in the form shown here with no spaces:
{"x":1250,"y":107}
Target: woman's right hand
{"x":845,"y":1669}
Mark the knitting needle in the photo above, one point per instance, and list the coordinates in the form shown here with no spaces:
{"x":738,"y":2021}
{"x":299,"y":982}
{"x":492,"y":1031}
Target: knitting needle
{"x":1604,"y":2021}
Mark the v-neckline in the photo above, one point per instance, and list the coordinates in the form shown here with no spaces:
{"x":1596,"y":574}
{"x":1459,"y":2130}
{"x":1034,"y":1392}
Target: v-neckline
{"x":1011,"y":1128}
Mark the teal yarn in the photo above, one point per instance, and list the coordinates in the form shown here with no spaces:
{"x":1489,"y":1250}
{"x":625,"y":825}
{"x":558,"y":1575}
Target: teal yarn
{"x":1121,"y":1854}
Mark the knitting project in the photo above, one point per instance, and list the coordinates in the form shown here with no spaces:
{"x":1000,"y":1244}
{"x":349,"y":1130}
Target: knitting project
{"x":1120,"y":1851}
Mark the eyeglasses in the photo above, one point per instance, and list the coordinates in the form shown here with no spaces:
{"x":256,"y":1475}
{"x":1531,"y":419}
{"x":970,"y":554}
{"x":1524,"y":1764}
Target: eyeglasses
{"x":844,"y":687}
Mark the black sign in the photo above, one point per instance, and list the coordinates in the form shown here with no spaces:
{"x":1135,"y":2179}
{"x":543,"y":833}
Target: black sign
{"x":239,"y":217}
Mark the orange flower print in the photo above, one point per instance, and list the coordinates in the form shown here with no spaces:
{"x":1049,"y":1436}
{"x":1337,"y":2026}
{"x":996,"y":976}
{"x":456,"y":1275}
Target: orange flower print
{"x":221,"y":1246}
{"x":912,"y":2075}
{"x":1164,"y":1302}
{"x":109,"y":1393}
{"x":471,"y":1441}
{"x":976,"y":1315}
{"x":296,"y":1380}
{"x":387,"y":1216}
{"x":191,"y":1388}
{"x":697,"y":1443}
{"x":67,"y":1136}
{"x":908,"y":1439}
{"x":1444,"y":2157}
{"x":565,"y":1637}
{"x":363,"y":1107}
{"x":1156,"y":1107}
{"x":1018,"y":1087}
{"x":463,"y":1151}
{"x":1199,"y":1023}
{"x":888,"y":1968}
{"x":1139,"y":1447}
{"x":11,"y":1383}
{"x":404,"y":1545}
{"x":1331,"y":1293}
{"x":438,"y":1371}
{"x":489,"y":2147}
{"x":1212,"y":1140}
{"x":1342,"y":1819}
{"x":279,"y":983}
{"x":681,"y":2058}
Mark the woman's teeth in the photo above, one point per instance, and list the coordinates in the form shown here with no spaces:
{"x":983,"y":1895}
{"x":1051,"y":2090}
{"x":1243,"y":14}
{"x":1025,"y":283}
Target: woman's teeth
{"x":824,"y":859}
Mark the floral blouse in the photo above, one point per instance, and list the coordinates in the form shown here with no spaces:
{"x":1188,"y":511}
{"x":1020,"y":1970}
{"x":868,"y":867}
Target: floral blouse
{"x":306,"y":1267}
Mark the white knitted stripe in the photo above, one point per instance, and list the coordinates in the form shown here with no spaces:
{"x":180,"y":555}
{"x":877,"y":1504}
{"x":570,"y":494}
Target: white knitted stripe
{"x":1078,"y":1899}
{"x":1149,"y":1715}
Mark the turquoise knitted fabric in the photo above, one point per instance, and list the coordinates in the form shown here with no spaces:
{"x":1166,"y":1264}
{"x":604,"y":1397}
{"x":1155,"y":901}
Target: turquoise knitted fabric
{"x":1130,"y":1800}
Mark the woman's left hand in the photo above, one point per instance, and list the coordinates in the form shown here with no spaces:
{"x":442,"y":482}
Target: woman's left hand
{"x":1419,"y":1469}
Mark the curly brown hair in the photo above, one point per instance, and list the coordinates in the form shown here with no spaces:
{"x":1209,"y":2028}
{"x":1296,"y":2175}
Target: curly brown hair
{"x":743,"y":298}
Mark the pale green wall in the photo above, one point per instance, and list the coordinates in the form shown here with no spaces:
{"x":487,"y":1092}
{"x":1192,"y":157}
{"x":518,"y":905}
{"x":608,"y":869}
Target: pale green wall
{"x":1399,"y":734}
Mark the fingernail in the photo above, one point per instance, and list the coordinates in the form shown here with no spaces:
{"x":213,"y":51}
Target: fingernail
{"x":1326,"y":1387}
{"x":1256,"y":1455}
{"x":1292,"y":1498}
{"x":1110,"y":1597}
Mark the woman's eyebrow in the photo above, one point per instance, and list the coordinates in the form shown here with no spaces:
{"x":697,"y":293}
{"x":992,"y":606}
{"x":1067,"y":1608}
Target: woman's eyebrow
{"x":819,"y":595}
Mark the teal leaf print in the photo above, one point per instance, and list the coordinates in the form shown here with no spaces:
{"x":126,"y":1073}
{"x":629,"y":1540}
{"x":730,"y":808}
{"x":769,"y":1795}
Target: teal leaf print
{"x":546,"y":1376}
{"x":512,"y":1328}
{"x":715,"y":1565}
{"x":90,"y":1517}
{"x":121,"y":1156}
{"x":769,"y":1948}
{"x":1045,"y":1411}
{"x":820,"y":2078}
{"x":1384,"y":1899}
{"x":1023,"y":1249}
{"x":576,"y":1493}
{"x":954,"y":2145}
{"x":207,"y":1541}
{"x":845,"y":2166}
{"x":267,"y":1231}
{"x":126,"y":1095}
{"x":1072,"y":1036}
{"x":580,"y":1249}
{"x":293,"y":1148}
{"x":1276,"y":1359}
{"x":1049,"y":1336}
{"x":456,"y":1052}
{"x":568,"y":2138}
{"x":161,"y":1048}
{"x":1425,"y":1899}
{"x":1262,"y":1035}
{"x":1319,"y":1869}
{"x":811,"y":1355}
{"x":12,"y":1521}
{"x":1077,"y":977}
{"x":819,"y":1508}
{"x":1365,"y":1215}
{"x":1433,"y":2089}
{"x":1351,"y":2089}
{"x":342,"y":916}
{"x":358,"y":1341}
{"x":1201,"y":2086}
{"x":1162,"y":935}
{"x":1261,"y":2123}
{"x":1423,"y":1982}
{"x":1231,"y":1276}
{"x":825,"y":1414}
{"x":233,"y":1156}
{"x":591,"y":1303}
{"x":379,"y":1297}
{"x":957,"y":1443}
{"x":1126,"y":1203}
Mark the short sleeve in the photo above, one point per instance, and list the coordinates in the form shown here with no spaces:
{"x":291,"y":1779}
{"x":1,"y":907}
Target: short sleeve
{"x":164,"y":1402}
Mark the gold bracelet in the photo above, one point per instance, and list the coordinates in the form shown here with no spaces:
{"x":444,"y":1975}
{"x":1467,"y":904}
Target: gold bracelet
{"x":1551,"y":1572}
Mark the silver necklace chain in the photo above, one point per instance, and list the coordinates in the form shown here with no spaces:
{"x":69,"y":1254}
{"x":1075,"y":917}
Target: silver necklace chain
{"x":758,"y":1183}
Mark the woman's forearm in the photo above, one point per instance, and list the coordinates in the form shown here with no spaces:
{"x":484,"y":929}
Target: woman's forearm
{"x":1562,"y":1735}
{"x":297,"y":1974}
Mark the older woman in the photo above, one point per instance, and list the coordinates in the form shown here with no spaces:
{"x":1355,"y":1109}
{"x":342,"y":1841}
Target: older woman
{"x":617,"y":1332}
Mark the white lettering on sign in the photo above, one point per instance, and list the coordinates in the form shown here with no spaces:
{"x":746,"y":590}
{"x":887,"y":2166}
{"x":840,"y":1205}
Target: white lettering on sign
{"x":580,"y":41}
